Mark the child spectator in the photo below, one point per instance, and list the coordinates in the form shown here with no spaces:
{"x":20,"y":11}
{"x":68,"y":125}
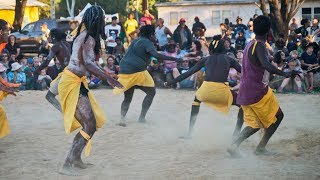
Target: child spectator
{"x":293,"y":65}
{"x":17,"y":76}
{"x":292,"y":44}
{"x":240,"y":41}
{"x":309,"y":63}
{"x":118,"y":50}
{"x":44,"y":80}
{"x":111,"y":68}
{"x":30,"y":81}
{"x":189,"y":82}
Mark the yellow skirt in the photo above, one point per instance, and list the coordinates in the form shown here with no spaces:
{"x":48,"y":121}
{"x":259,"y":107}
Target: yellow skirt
{"x":4,"y":125}
{"x":263,"y":113}
{"x":216,"y":95}
{"x":69,"y":89}
{"x":142,"y":78}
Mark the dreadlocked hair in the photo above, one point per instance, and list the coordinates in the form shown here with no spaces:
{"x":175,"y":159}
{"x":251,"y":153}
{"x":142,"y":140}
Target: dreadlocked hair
{"x":93,"y":20}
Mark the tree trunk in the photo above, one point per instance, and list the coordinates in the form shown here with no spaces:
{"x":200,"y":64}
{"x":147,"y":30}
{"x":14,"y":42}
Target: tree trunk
{"x":71,"y":9}
{"x":145,"y":5}
{"x":18,"y":14}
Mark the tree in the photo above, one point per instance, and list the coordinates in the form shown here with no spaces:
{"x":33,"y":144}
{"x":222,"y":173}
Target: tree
{"x":144,"y":5}
{"x":18,"y":14}
{"x":71,"y":8}
{"x":280,"y":14}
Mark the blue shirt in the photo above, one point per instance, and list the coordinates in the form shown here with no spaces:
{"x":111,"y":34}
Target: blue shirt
{"x":21,"y":77}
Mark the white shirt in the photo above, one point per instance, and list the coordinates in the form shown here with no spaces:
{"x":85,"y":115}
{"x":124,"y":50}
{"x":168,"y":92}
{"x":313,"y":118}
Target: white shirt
{"x":112,"y":32}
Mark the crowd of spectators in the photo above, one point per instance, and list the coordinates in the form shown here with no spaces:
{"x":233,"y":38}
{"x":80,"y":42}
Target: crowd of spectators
{"x":300,"y":52}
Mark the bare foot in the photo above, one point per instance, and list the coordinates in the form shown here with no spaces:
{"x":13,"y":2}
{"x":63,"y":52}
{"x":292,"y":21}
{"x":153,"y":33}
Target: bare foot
{"x":81,"y":165}
{"x":69,"y":171}
{"x":233,"y":150}
{"x":142,"y":120}
{"x":264,"y":151}
{"x":122,"y":124}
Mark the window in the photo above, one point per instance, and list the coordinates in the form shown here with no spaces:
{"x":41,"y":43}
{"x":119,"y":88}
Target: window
{"x":184,"y":14}
{"x":226,"y":14}
{"x":174,"y":18}
{"x":216,"y":18}
{"x":317,"y":12}
{"x":28,"y":28}
{"x":306,"y":13}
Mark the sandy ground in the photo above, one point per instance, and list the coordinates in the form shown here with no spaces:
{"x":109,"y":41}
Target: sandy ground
{"x":37,"y":145}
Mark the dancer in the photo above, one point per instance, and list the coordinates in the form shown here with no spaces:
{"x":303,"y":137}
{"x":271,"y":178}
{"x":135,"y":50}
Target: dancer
{"x":133,"y":71}
{"x":259,"y":104}
{"x":62,"y":51}
{"x":5,"y":89}
{"x":78,"y":105}
{"x":215,"y":90}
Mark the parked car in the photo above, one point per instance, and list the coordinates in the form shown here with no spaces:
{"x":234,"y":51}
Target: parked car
{"x":29,"y":38}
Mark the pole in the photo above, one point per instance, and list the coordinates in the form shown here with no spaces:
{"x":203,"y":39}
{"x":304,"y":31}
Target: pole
{"x":53,"y":9}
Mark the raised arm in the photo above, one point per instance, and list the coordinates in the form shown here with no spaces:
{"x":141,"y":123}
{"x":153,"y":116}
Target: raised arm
{"x":261,"y":53}
{"x":191,"y":71}
{"x":161,"y":57}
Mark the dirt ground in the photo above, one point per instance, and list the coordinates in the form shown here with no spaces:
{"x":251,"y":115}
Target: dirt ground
{"x":37,"y":144}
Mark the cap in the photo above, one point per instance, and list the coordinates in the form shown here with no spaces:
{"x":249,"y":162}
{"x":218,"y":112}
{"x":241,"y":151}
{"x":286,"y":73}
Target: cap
{"x":29,"y":60}
{"x":182,"y":20}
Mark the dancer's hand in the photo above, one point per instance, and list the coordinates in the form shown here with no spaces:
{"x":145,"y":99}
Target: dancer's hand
{"x":115,"y":83}
{"x":9,"y":90}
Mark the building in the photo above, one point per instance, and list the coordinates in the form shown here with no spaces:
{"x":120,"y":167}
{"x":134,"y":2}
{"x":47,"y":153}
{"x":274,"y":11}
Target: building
{"x":213,"y":12}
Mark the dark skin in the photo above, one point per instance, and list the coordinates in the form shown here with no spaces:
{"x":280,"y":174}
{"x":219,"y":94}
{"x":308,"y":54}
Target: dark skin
{"x":217,"y":70}
{"x":62,"y":51}
{"x":260,"y":58}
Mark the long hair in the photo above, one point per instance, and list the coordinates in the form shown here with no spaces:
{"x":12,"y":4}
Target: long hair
{"x":93,"y":20}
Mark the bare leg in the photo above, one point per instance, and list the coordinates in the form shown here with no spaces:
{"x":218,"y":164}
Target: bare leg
{"x":311,"y":80}
{"x":86,"y":118}
{"x":176,"y":73}
{"x":240,"y":116}
{"x":283,"y":84}
{"x":261,"y":148}
{"x":125,"y":105}
{"x":298,"y":82}
{"x":51,"y":98}
{"x":147,"y":101}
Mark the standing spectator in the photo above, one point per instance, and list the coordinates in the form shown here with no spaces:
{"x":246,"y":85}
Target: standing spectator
{"x":17,"y":76}
{"x":112,"y":31}
{"x":30,"y":81}
{"x":240,"y":41}
{"x":44,"y":80}
{"x":118,"y":50}
{"x":239,"y":26}
{"x":293,"y":26}
{"x":162,"y":33}
{"x":314,"y":31}
{"x":182,"y":35}
{"x":147,"y":17}
{"x":308,"y":63}
{"x":130,"y":26}
{"x":13,"y":47}
{"x":54,"y":70}
{"x":249,"y":34}
{"x":302,"y":31}
{"x":198,"y":26}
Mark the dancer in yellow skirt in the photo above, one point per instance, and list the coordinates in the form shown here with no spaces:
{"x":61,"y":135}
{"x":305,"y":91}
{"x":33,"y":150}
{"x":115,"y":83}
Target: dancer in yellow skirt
{"x":78,"y":105}
{"x":134,"y":74}
{"x":215,"y":90}
{"x":259,"y":104}
{"x":5,"y":89}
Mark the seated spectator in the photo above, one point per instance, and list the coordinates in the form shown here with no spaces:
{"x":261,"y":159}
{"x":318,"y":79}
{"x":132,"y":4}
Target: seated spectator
{"x":42,"y":57}
{"x":293,"y":64}
{"x":12,"y":59}
{"x":22,"y":62}
{"x":111,"y":68}
{"x":240,"y":56}
{"x":280,"y":45}
{"x":4,"y":58}
{"x":249,"y":34}
{"x":190,"y":82}
{"x":195,"y":51}
{"x":168,"y":66}
{"x":44,"y":80}
{"x":13,"y":47}
{"x":228,"y":47}
{"x":204,"y":46}
{"x":309,"y":64}
{"x":240,"y":41}
{"x":118,"y":50}
{"x":93,"y":82}
{"x":279,"y":59}
{"x":30,"y":80}
{"x":292,"y":44}
{"x":54,"y":70}
{"x":17,"y":76}
{"x":214,"y":43}
{"x":3,"y":72}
